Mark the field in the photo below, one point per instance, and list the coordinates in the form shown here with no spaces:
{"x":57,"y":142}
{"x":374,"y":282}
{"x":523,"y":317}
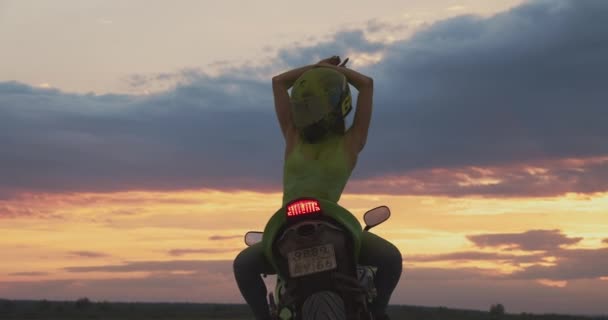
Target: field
{"x":86,"y":309}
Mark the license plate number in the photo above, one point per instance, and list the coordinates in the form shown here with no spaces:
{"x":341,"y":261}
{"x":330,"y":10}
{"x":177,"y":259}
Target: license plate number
{"x":311,"y":260}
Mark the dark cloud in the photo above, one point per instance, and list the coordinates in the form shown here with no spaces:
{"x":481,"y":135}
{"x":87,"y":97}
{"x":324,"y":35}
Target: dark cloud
{"x":532,"y":240}
{"x":605,"y":241}
{"x":181,"y":252}
{"x":570,"y":264}
{"x":32,"y":273}
{"x":16,"y":211}
{"x":376,"y":26}
{"x":7,"y":194}
{"x":554,"y":260}
{"x":447,"y":274}
{"x":541,"y":179}
{"x":341,"y":42}
{"x":478,"y":256}
{"x":12,"y":212}
{"x":142,"y":80}
{"x":154,"y":266}
{"x":125,"y":212}
{"x":219,"y":237}
{"x":196,"y":136}
{"x":88,"y":254}
{"x":521,"y":86}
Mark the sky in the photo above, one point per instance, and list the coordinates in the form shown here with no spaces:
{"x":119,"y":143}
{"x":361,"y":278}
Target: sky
{"x":138,"y":143}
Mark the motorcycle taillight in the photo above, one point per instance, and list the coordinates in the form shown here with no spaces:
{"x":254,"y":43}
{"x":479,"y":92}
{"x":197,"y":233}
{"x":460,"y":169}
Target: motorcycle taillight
{"x":302,"y":207}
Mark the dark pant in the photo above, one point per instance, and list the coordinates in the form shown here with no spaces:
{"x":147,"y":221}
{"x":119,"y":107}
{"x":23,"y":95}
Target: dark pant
{"x":375,"y":251}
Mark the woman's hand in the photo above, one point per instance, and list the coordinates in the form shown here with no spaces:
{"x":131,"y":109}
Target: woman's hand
{"x":343,"y":64}
{"x":325,"y":64}
{"x":335,"y":60}
{"x":332,"y":62}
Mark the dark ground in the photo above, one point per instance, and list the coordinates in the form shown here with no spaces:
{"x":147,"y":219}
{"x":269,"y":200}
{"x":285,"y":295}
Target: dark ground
{"x":85,"y":309}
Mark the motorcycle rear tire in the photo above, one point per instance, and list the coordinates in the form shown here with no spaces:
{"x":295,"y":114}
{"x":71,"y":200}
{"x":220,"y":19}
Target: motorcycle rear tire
{"x":324,"y":305}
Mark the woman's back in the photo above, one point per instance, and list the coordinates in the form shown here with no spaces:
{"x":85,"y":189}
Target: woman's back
{"x":317,"y":170}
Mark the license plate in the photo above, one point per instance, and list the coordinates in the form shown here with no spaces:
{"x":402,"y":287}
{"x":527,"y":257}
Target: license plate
{"x":311,"y":260}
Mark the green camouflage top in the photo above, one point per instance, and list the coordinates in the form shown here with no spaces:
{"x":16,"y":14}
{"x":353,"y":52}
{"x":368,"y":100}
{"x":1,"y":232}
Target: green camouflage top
{"x":324,"y":177}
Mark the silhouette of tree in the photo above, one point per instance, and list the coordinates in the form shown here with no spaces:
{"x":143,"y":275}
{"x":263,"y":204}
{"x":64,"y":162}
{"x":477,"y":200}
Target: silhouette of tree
{"x":104,"y":306}
{"x":497,"y":310}
{"x":44,"y":305}
{"x":83,"y":303}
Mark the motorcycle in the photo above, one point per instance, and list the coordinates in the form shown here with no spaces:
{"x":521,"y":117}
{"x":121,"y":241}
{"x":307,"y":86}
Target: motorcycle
{"x":313,"y":245}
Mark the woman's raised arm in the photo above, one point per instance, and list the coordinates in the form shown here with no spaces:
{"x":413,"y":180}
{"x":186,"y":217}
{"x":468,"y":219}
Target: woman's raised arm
{"x":282,"y":105}
{"x":357,"y":133}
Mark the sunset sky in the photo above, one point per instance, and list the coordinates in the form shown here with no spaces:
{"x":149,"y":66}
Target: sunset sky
{"x":138,"y":143}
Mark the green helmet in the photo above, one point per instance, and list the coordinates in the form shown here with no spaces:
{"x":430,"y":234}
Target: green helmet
{"x":320,"y":99}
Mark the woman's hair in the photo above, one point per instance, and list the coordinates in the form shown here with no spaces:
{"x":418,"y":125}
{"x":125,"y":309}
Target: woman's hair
{"x":339,"y":124}
{"x":333,"y":125}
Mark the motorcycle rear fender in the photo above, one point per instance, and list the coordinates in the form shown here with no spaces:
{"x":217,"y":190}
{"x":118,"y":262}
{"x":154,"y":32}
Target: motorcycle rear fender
{"x":330,"y":209}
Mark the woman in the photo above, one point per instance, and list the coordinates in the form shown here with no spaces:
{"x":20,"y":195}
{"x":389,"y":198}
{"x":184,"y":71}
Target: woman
{"x":319,"y":158}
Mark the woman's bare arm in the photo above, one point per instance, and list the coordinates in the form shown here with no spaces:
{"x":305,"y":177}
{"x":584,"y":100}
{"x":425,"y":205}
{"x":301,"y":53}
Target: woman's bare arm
{"x":280,"y":84}
{"x":357,"y":133}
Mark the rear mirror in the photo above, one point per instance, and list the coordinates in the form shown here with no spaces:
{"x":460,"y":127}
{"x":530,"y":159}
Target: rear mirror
{"x":253,"y":237}
{"x":376,"y":216}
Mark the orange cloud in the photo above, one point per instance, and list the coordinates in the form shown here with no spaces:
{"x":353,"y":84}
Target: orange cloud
{"x":552,"y":283}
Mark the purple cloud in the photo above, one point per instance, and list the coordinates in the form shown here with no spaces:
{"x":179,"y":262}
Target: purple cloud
{"x":88,"y":254}
{"x":29,"y":273}
{"x":477,"y":256}
{"x":153,"y":266}
{"x":219,"y":237}
{"x":534,"y":179}
{"x":570,"y":264}
{"x":181,"y":252}
{"x":532,"y":240}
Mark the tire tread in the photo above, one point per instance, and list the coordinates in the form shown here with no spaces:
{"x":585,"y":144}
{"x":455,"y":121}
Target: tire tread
{"x":324,"y":305}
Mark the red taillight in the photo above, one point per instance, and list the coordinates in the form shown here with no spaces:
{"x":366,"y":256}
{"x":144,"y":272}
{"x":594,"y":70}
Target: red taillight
{"x":302,"y":207}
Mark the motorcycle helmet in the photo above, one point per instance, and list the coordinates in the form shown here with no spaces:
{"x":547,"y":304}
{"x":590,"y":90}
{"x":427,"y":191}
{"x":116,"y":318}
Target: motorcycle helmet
{"x":320,"y":100}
